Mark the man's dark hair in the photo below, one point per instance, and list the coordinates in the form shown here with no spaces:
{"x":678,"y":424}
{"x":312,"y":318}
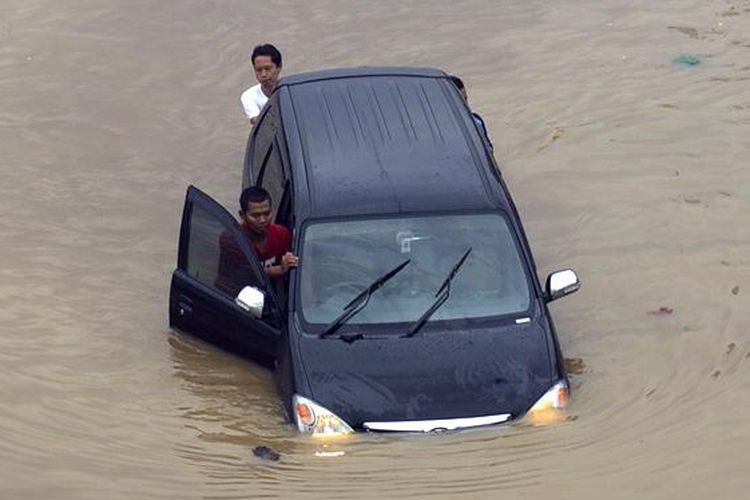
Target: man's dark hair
{"x":253,"y":194}
{"x":456,"y":81}
{"x":269,"y":50}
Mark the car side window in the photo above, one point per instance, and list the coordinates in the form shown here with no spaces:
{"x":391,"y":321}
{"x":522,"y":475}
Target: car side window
{"x":271,"y":176}
{"x":261,"y":141}
{"x":284,"y":207}
{"x":214,"y":256}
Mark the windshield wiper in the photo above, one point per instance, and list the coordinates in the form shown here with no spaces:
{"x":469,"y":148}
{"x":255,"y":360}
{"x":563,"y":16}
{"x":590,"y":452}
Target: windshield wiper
{"x":442,"y":295}
{"x":360,"y":301}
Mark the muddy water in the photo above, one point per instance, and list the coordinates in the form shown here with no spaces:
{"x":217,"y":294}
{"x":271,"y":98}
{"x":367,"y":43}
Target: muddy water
{"x":625,"y":165}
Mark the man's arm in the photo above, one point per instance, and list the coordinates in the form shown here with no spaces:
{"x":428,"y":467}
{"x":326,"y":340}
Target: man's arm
{"x":288,"y":261}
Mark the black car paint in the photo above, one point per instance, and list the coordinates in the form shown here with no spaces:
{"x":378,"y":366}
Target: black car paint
{"x":433,"y":375}
{"x":199,"y":309}
{"x":440,"y":372}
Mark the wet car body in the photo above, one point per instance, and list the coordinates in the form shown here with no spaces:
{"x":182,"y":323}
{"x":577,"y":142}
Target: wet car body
{"x":370,"y":167}
{"x":438,"y":375}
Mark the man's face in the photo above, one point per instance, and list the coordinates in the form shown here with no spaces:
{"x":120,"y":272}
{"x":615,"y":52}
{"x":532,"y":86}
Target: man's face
{"x":257,"y":216}
{"x":266,"y":72}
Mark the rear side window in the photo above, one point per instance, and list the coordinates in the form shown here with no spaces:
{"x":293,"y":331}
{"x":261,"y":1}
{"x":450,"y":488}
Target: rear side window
{"x":264,"y":134}
{"x":272,"y":174}
{"x":214,"y":257}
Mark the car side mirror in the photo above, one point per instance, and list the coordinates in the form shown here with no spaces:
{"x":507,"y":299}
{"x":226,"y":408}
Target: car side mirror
{"x":561,"y":283}
{"x":251,"y":300}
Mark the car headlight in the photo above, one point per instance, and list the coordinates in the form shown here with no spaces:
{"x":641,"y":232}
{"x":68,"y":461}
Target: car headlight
{"x":547,"y":408}
{"x":312,"y":418}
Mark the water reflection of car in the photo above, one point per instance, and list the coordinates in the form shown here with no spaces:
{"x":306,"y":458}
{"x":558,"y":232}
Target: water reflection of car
{"x":416,"y":305}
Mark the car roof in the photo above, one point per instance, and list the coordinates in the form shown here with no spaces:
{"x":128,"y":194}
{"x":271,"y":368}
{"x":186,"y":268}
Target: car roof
{"x":362,"y":71}
{"x":385,"y":140}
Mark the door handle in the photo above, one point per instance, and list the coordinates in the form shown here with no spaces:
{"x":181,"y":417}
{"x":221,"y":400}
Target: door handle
{"x":184,"y":307}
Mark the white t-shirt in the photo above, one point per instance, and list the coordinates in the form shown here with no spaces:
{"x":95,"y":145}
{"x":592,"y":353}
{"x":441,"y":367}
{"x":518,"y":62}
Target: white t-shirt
{"x":253,"y":100}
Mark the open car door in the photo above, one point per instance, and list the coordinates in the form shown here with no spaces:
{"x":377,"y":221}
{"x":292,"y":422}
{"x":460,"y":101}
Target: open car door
{"x":215,"y":264}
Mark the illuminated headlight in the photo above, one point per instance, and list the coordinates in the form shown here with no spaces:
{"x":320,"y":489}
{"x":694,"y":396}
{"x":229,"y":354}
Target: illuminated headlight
{"x":311,"y":418}
{"x":547,"y":408}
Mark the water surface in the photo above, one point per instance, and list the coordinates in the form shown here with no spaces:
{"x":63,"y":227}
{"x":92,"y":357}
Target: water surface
{"x":625,"y":165}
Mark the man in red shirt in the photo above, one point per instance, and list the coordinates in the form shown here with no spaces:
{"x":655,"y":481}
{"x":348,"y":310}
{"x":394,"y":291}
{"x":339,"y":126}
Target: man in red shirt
{"x":271,"y":242}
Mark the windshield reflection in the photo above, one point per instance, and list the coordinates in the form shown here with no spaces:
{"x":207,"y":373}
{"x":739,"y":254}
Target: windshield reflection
{"x":342,"y":258}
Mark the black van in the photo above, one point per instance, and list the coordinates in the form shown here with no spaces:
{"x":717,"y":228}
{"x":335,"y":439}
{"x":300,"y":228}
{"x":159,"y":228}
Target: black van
{"x":416,"y":304}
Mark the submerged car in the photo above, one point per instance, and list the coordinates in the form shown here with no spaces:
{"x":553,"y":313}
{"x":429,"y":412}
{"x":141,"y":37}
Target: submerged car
{"x":416,"y":305}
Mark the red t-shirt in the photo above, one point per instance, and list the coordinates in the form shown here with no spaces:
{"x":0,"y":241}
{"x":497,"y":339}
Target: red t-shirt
{"x":235,"y":271}
{"x":278,"y":242}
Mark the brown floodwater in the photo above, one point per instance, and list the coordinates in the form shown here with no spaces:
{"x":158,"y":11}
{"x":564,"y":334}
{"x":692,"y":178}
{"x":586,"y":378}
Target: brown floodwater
{"x":625,"y":165}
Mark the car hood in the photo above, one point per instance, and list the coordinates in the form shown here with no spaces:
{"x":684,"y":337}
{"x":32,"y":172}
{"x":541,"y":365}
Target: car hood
{"x":433,"y":375}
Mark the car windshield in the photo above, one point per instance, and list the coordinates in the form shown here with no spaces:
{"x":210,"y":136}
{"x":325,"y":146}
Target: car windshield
{"x":341,"y":258}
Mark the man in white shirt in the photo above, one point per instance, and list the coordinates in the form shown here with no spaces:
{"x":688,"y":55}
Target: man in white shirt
{"x":266,"y":60}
